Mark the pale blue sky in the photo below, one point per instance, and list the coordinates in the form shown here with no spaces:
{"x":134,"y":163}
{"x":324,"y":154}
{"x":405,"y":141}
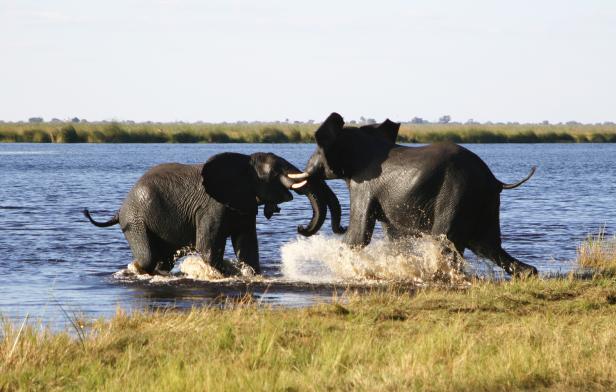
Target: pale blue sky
{"x":275,"y":59}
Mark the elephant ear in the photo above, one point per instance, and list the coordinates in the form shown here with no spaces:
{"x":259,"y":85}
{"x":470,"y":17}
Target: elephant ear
{"x":387,"y":130}
{"x":230,"y":179}
{"x":328,"y":131}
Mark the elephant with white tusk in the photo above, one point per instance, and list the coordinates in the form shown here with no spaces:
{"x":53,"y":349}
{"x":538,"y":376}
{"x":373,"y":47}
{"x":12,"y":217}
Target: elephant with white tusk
{"x":175,"y":205}
{"x":437,"y":189}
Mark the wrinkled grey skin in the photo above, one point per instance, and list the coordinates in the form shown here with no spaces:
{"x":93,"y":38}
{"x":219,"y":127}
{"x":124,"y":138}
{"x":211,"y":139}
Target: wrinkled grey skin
{"x":441,"y":188}
{"x":174,"y":205}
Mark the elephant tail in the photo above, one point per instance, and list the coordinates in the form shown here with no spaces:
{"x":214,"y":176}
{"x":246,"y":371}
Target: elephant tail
{"x":517,"y":184}
{"x":113,"y":221}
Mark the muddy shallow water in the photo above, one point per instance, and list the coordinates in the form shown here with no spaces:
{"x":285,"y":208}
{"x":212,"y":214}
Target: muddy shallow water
{"x":51,"y":255}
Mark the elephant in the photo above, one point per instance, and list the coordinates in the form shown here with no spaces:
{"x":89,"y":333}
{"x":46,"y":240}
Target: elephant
{"x":176,"y":205}
{"x":441,"y":188}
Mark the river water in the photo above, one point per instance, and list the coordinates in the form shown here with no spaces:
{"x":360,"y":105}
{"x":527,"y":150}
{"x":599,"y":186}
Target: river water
{"x":54,"y":261}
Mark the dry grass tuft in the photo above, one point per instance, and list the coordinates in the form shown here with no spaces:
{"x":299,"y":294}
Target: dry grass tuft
{"x":598,"y":252}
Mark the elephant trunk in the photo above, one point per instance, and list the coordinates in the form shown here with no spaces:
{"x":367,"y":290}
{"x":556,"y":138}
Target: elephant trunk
{"x":321,"y":198}
{"x":291,"y":179}
{"x":334,"y":208}
{"x":319,"y":211}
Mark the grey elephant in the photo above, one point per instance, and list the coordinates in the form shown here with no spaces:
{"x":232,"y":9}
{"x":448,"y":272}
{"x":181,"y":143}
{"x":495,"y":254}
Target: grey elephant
{"x":441,"y":188}
{"x":175,"y":205}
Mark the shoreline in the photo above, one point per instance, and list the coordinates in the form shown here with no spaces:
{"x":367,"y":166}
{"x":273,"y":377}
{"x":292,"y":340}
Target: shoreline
{"x":113,"y":132}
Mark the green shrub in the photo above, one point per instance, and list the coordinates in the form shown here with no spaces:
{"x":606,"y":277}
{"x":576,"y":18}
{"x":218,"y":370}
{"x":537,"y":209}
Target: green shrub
{"x":294,"y":136}
{"x":8,"y":137}
{"x":95,"y":137}
{"x":483,"y":136}
{"x":114,"y":133}
{"x":218,"y":137}
{"x":523,"y":137}
{"x":184,"y":137}
{"x":34,"y":136}
{"x":66,"y":134}
{"x":272,"y":135}
{"x":148,"y":135}
{"x":596,"y":138}
{"x":432,"y":137}
{"x":556,"y":137}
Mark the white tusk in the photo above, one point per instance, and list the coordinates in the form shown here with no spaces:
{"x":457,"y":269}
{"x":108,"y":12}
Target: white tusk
{"x":298,"y":176}
{"x":298,"y":185}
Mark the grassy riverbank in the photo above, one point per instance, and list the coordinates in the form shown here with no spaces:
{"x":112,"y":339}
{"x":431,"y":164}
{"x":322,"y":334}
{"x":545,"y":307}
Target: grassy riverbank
{"x":56,"y":132}
{"x":533,"y":334}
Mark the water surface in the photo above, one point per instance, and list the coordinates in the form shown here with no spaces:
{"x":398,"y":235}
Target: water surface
{"x":51,"y":255}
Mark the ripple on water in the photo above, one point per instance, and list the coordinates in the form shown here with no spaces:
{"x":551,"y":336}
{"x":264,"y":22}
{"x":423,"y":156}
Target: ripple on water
{"x":45,"y":186}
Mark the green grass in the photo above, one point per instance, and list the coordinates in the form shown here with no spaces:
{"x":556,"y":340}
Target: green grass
{"x":293,"y":133}
{"x":532,"y":334}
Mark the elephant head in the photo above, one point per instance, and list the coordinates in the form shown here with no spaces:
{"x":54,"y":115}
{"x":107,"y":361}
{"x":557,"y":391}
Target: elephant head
{"x":243,"y":182}
{"x":335,"y":156}
{"x":331,"y":160}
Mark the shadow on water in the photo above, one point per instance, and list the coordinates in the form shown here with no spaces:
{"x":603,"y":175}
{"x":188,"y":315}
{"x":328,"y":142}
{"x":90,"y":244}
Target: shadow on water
{"x":188,"y":293}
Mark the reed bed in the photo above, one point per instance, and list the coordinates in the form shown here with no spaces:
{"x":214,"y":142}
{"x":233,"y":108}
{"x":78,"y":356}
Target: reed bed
{"x":242,"y":132}
{"x":598,"y":252}
{"x":530,"y":334}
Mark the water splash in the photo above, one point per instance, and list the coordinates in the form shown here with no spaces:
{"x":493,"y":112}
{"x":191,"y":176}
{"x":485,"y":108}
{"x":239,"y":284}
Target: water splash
{"x":323,"y":259}
{"x":326,"y":259}
{"x":192,"y":267}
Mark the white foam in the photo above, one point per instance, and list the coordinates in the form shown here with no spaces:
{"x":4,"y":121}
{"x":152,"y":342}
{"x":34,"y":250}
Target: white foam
{"x":326,"y":259}
{"x":192,"y":267}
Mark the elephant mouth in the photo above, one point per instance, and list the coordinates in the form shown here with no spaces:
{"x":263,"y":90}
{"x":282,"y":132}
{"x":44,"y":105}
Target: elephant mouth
{"x":270,"y":209}
{"x":294,"y":181}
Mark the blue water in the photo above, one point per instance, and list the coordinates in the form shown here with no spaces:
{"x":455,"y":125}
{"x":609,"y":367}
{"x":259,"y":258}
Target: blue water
{"x":52,"y":256}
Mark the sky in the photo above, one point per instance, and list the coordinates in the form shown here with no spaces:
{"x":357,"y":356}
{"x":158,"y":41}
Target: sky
{"x":267,"y":60}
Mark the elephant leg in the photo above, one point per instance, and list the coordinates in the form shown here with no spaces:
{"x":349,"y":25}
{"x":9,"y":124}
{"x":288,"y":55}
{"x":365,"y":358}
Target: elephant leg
{"x":510,"y":264}
{"x":446,"y":227}
{"x":485,"y":241}
{"x":391,"y":233}
{"x":246,"y":248}
{"x":361,"y":222}
{"x":453,"y":218}
{"x":210,"y":241}
{"x":144,"y":256}
{"x":212,"y":249}
{"x":164,"y":252}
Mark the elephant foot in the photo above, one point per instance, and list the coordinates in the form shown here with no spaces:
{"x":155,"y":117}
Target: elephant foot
{"x":523,"y":271}
{"x":160,"y":269}
{"x":135,"y":268}
{"x":164,"y":267}
{"x":235,"y":268}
